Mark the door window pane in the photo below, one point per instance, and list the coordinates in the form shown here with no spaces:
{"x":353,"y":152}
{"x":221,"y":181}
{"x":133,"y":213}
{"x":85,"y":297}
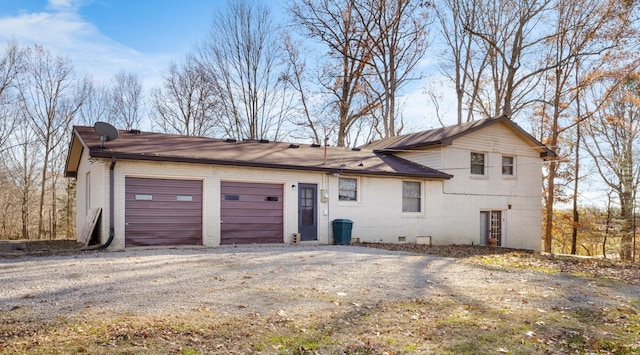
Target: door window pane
{"x":496,"y":225}
{"x":306,"y":206}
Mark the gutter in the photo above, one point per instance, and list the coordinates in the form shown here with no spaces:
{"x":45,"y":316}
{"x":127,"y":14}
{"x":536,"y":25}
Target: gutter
{"x":111,"y":223}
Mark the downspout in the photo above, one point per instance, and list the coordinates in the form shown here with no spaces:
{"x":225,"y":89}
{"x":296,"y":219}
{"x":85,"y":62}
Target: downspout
{"x":111,"y":223}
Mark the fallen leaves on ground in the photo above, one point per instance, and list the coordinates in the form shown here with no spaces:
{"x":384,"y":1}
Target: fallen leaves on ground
{"x":512,"y":258}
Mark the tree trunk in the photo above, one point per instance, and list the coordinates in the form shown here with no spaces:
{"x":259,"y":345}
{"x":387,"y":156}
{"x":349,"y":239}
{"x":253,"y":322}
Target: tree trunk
{"x":43,"y":186}
{"x":548,"y":232}
{"x":576,"y":180}
{"x":606,"y":232}
{"x":54,"y":213}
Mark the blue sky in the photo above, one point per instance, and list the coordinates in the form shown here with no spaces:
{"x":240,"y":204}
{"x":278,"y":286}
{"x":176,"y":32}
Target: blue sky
{"x":102,"y":37}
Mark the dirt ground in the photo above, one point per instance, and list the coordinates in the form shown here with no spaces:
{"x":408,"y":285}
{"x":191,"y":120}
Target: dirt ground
{"x":365,"y":299}
{"x":610,"y":268}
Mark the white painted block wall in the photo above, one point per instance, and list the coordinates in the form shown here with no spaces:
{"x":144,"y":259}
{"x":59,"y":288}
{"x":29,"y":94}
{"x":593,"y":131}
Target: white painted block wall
{"x":450,"y":210}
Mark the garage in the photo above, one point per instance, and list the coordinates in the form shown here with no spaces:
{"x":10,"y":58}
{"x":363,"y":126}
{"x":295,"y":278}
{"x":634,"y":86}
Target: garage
{"x":162,"y":212}
{"x":251,"y":213}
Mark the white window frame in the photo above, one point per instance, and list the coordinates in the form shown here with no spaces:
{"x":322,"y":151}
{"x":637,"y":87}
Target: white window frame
{"x":419,"y":197}
{"x":357,"y":190}
{"x":513,"y":166}
{"x":87,"y":191}
{"x":484,"y":168}
{"x":492,"y":226}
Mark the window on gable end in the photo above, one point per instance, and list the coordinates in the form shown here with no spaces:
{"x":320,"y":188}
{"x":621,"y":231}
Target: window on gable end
{"x":478,"y":163}
{"x":508,"y":165}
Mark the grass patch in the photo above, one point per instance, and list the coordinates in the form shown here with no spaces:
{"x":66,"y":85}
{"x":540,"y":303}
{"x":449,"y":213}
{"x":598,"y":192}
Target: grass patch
{"x":438,"y":325}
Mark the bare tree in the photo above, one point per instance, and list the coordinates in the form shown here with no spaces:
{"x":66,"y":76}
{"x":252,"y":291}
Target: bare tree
{"x":126,"y":100}
{"x":11,"y":65}
{"x":187,"y":104}
{"x":242,"y":55}
{"x":342,"y":30}
{"x":297,"y":77}
{"x":398,"y":39}
{"x":21,"y":162}
{"x":512,"y":33}
{"x":49,"y":99}
{"x":463,"y":63}
{"x":614,"y":142}
{"x":96,"y":107}
{"x":8,"y":201}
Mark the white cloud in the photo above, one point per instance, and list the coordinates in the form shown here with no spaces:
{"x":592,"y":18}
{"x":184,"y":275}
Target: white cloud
{"x":65,"y":33}
{"x":61,"y":4}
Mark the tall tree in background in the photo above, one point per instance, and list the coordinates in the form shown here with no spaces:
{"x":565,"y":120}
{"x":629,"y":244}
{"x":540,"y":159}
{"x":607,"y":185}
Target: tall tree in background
{"x":462,"y":63}
{"x":398,"y":39}
{"x":512,"y":37}
{"x":298,"y":78}
{"x":585,"y":34}
{"x":96,"y":106}
{"x":187,"y":103}
{"x":337,"y":25}
{"x":126,"y":101}
{"x":242,"y":57}
{"x":49,"y":99}
{"x":614,"y":143}
{"x":11,"y":65}
{"x":22,"y":161}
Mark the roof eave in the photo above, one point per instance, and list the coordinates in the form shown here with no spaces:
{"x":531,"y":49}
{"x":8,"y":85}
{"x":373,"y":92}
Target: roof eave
{"x":129,"y":156}
{"x":74,"y":155}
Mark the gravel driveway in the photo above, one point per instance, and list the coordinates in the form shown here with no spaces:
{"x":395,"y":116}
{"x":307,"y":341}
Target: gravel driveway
{"x":291,"y":279}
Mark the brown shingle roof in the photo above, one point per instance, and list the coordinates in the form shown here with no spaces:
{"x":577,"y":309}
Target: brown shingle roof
{"x":444,"y":136}
{"x":177,"y":148}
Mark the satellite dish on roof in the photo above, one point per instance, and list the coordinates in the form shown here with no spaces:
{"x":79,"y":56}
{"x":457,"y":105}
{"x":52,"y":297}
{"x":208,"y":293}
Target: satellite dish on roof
{"x":106,"y":132}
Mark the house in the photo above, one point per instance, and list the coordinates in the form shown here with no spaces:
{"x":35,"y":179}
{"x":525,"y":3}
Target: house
{"x":457,"y":185}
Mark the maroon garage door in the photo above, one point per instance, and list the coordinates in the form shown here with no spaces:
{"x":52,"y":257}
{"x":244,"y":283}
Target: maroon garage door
{"x":251,"y":213}
{"x":163,"y":212}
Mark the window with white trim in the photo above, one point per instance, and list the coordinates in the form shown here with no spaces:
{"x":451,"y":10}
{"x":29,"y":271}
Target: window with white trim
{"x":478,"y":163}
{"x":508,"y":165}
{"x":411,"y":196}
{"x":347,"y":189}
